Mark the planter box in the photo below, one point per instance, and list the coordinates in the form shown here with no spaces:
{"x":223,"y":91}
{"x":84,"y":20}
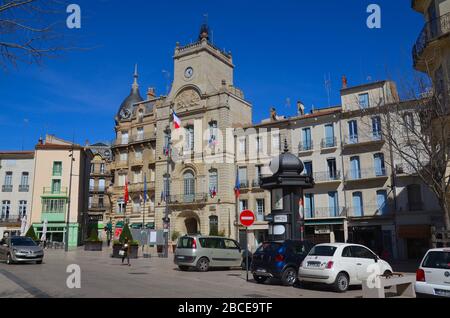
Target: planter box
{"x":93,"y":246}
{"x":133,"y":252}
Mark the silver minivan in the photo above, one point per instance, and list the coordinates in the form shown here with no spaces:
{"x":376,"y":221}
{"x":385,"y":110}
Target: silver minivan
{"x":204,"y":252}
{"x":19,"y":249}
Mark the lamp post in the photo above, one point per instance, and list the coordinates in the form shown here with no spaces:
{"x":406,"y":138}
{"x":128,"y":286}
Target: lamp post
{"x":166,"y":219}
{"x":72,"y":159}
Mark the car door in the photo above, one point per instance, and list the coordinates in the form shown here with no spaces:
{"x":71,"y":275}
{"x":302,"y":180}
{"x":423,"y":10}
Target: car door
{"x":299,"y":252}
{"x":347,"y":262}
{"x":364,"y":259}
{"x":218,"y":252}
{"x":233,"y":254}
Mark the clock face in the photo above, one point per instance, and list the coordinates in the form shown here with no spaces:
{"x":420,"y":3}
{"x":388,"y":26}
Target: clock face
{"x":189,"y":72}
{"x":274,"y":165}
{"x":125,"y":113}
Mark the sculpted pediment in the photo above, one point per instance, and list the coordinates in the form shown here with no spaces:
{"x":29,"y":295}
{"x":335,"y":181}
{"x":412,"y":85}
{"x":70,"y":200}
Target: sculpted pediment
{"x":187,"y":99}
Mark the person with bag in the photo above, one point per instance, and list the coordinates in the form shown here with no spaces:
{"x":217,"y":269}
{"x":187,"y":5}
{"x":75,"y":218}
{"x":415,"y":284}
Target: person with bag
{"x":125,"y":251}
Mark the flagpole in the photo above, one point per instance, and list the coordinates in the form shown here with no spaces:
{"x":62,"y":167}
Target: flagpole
{"x":143,"y":212}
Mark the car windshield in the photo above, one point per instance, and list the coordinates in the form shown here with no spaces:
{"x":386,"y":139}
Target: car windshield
{"x":440,"y":260}
{"x":323,"y":250}
{"x":268,"y":247}
{"x":22,"y":241}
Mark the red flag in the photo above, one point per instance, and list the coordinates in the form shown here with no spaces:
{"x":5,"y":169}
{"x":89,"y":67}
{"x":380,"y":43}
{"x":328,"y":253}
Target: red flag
{"x":126,"y":196}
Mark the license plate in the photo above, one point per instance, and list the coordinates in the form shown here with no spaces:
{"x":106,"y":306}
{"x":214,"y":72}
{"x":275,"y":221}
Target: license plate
{"x":443,"y":293}
{"x":261,"y":270}
{"x":314,"y":264}
{"x":180,"y":257}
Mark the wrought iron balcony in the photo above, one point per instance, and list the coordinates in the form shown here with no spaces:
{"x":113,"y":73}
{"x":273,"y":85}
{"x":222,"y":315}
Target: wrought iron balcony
{"x":327,"y":176}
{"x":24,"y":188}
{"x":324,"y":212}
{"x":6,"y":218}
{"x":368,"y":210}
{"x":51,"y":191}
{"x":355,"y":140}
{"x":328,"y":143}
{"x":309,"y":146}
{"x":196,"y":198}
{"x":362,"y":174}
{"x":432,"y":30}
{"x":244,"y":184}
{"x":7,"y":188}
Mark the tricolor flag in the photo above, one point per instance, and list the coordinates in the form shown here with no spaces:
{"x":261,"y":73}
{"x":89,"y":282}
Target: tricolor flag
{"x":176,"y":121}
{"x":237,"y":187}
{"x":213,"y":192}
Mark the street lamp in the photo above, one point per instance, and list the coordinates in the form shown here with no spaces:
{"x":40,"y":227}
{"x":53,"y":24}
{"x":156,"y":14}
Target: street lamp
{"x":72,"y":159}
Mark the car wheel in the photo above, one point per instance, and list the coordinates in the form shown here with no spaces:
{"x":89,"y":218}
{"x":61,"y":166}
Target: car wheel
{"x":9,"y":260}
{"x":341,"y":283}
{"x":289,"y":277}
{"x":183,"y":268}
{"x":259,"y":279}
{"x":203,"y":264}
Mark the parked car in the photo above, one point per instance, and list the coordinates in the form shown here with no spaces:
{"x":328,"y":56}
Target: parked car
{"x":433,"y":275}
{"x":19,"y":249}
{"x":340,"y":265}
{"x":205,"y":252}
{"x":279,"y":260}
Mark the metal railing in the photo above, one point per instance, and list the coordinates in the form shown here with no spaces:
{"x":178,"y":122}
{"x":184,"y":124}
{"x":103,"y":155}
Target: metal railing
{"x":368,"y":210}
{"x":62,"y":190}
{"x":10,"y":218}
{"x":327,"y":176}
{"x":325,"y":212}
{"x":431,"y":31}
{"x":24,"y":188}
{"x":97,"y":206}
{"x":357,"y":139}
{"x":306,"y":146}
{"x":7,"y":188}
{"x":188,"y":198}
{"x":139,"y":186}
{"x":328,"y":143}
{"x":244,"y":184}
{"x":365,"y":174}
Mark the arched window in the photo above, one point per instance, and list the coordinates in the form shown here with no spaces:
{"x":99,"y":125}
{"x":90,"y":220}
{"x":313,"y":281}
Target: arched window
{"x":213,"y":225}
{"x":189,"y":186}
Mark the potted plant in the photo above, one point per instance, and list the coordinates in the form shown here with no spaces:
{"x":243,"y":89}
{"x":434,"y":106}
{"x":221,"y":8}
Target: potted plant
{"x":118,"y":245}
{"x":175,"y":236}
{"x":93,"y":243}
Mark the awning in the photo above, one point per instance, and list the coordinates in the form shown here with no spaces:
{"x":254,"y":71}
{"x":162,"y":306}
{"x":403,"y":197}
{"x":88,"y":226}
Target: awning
{"x":324,"y":222}
{"x":119,"y":224}
{"x":136,"y":226}
{"x":414,"y":231}
{"x":150,"y":225}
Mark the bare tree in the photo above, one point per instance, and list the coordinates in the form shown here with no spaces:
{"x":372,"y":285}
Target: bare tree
{"x":31,"y":31}
{"x":417,"y":131}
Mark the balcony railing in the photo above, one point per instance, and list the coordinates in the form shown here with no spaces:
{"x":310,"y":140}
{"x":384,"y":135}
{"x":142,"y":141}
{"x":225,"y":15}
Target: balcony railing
{"x":356,"y":139}
{"x":139,"y":186}
{"x":328,"y":143}
{"x":244,"y":184}
{"x":309,"y":146}
{"x":430,"y":32}
{"x":97,"y":206}
{"x":327,"y":176}
{"x":188,"y":198}
{"x":326,"y":212}
{"x":361,"y":174}
{"x":7,"y":188}
{"x":142,"y":138}
{"x":24,"y":188}
{"x":368,"y":210}
{"x":51,"y":191}
{"x":9,"y":218}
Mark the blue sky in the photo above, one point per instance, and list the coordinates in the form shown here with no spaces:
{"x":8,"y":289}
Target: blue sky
{"x":282,"y":50}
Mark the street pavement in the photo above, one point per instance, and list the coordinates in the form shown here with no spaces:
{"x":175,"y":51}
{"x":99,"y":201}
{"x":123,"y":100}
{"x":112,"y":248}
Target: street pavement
{"x":105,"y":277}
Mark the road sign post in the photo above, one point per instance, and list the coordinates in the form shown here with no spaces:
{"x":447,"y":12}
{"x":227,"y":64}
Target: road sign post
{"x":247,"y":218}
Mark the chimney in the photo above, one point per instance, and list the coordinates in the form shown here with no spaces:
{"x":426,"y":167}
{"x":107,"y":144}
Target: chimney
{"x":40,"y":141}
{"x":300,"y":108}
{"x":151,"y":93}
{"x":344,"y":82}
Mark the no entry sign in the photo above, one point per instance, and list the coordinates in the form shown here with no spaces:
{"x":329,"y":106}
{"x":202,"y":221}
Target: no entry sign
{"x":247,"y":218}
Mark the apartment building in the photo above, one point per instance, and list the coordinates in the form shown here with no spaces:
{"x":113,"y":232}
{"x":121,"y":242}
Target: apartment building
{"x":60,"y":183}
{"x":99,"y":205}
{"x":16,"y":175}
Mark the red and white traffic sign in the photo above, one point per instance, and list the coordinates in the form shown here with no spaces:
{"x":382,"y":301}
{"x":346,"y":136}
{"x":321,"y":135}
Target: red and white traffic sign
{"x":247,"y":218}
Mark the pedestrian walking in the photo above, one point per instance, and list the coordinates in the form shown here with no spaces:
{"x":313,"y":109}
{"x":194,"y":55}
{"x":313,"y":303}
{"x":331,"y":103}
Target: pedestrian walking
{"x":125,"y":252}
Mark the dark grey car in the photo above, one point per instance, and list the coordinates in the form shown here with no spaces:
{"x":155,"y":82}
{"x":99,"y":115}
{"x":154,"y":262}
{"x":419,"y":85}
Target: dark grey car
{"x":19,"y":249}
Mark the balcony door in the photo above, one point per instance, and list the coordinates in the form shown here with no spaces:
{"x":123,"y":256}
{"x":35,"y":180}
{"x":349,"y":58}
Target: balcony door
{"x":376,"y":128}
{"x":332,"y":169}
{"x":382,"y":202}
{"x":358,"y":209}
{"x":333,"y":204}
{"x":380,"y":168}
{"x":56,"y":186}
{"x":309,"y":205}
{"x":353,"y":131}
{"x":189,"y":186}
{"x":355,"y":167}
{"x":329,"y":136}
{"x":309,"y":168}
{"x":307,"y":140}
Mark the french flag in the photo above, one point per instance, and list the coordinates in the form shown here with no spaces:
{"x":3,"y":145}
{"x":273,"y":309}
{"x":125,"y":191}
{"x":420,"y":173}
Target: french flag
{"x":176,"y":121}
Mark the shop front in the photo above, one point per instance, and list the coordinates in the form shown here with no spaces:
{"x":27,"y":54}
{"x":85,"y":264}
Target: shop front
{"x":325,"y":230}
{"x":416,"y":239}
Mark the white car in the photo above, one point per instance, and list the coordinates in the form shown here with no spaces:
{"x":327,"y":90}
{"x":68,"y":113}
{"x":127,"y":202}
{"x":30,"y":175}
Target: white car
{"x":341,"y":265}
{"x":433,"y":275}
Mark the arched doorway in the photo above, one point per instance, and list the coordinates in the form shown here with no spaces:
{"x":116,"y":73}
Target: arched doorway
{"x":191,"y":226}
